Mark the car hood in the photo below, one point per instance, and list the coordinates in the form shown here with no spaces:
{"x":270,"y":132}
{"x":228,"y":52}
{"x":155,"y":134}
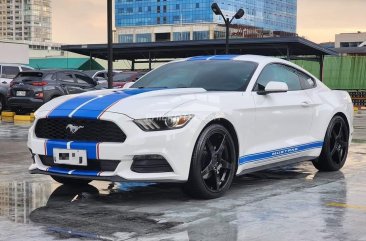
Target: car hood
{"x":134,"y":103}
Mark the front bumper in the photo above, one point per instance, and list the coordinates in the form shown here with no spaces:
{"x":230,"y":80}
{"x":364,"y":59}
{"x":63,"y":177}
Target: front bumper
{"x":176,"y":146}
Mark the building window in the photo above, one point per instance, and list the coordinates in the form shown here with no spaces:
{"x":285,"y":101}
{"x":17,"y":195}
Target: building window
{"x":201,"y":35}
{"x":143,"y":38}
{"x":181,"y":36}
{"x":125,"y":38}
{"x":197,"y":5}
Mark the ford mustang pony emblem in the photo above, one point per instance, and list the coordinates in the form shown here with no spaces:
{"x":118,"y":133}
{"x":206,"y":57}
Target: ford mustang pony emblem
{"x":73,"y":129}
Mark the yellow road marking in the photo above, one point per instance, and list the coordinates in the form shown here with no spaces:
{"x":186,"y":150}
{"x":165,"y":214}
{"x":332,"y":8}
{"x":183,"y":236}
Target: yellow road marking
{"x":343,"y":205}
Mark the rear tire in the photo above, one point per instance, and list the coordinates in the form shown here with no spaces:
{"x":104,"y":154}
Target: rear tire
{"x":71,"y":181}
{"x":335,"y":148}
{"x":214,"y":164}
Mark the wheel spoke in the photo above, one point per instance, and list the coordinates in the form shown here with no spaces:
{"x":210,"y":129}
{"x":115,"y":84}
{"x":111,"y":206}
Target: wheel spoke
{"x":217,"y":181}
{"x":222,"y":146}
{"x":226,"y":165}
{"x":334,"y":150}
{"x":206,"y":173}
{"x":340,"y":156}
{"x":210,"y":147}
{"x":344,"y":144}
{"x":340,"y":130}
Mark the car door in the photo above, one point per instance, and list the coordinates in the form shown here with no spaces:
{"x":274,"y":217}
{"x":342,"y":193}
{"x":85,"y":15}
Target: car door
{"x":67,"y":82}
{"x":84,"y":82}
{"x":282,"y":120}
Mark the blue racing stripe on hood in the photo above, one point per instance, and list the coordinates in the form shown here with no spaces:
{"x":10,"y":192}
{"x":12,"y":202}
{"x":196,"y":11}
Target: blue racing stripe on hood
{"x":92,"y":107}
{"x":213,"y":57}
{"x":68,"y":106}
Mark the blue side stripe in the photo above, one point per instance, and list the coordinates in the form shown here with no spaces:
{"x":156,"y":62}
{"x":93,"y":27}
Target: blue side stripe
{"x":279,"y":152}
{"x":89,"y":147}
{"x":85,"y":173}
{"x":65,"y":109}
{"x":59,"y":170}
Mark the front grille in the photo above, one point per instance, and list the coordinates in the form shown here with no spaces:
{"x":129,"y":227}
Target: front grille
{"x":92,"y":130}
{"x":93,"y":165}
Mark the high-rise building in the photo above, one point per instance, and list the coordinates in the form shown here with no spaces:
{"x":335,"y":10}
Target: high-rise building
{"x":174,"y":20}
{"x":25,"y":20}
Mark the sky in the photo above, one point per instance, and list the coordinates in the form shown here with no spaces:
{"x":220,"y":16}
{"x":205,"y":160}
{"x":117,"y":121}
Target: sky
{"x":84,"y":21}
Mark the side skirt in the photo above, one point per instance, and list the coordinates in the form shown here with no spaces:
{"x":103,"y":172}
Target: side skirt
{"x":277,"y":164}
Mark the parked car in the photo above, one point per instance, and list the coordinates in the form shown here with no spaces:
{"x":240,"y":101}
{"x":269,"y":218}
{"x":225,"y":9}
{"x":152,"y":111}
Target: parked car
{"x":30,"y":90}
{"x":120,"y":79}
{"x":9,"y":71}
{"x":101,"y":76}
{"x":3,"y":94}
{"x":199,"y":121}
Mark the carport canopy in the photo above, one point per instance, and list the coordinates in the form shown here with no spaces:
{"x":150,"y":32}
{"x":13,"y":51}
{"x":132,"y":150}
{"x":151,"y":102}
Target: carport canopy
{"x":290,"y":48}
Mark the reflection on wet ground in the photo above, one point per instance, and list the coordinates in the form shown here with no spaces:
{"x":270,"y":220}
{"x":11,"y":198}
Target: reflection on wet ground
{"x":290,"y":203}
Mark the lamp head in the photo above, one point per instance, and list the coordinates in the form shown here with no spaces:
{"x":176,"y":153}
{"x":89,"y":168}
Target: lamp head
{"x":216,"y":9}
{"x":239,"y":14}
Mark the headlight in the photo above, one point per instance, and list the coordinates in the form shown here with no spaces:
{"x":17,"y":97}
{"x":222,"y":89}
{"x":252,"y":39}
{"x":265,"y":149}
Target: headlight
{"x":163,"y":123}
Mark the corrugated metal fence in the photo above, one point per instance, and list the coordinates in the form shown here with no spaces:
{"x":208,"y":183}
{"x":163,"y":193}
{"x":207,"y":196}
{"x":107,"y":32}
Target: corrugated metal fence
{"x":346,"y":73}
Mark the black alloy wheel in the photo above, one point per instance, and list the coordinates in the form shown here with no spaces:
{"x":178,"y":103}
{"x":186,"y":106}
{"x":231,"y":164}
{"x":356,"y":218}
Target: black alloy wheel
{"x":213,"y":164}
{"x":335,"y":149}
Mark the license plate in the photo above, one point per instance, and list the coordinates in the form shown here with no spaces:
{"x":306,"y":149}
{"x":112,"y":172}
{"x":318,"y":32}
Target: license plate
{"x":21,"y":93}
{"x":70,"y":157}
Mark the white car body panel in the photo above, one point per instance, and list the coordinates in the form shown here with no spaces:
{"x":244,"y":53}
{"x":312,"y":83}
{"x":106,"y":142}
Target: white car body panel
{"x":270,"y":128}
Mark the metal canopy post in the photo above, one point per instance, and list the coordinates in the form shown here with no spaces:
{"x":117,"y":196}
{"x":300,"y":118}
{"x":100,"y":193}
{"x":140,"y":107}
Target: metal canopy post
{"x":110,"y":43}
{"x":133,"y":65}
{"x":149,"y":60}
{"x":321,"y":64}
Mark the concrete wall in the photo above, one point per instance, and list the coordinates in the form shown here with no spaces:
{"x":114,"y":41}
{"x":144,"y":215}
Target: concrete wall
{"x":11,"y":53}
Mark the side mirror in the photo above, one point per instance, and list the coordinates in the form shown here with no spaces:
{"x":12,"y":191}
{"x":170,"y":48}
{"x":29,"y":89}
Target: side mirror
{"x":274,"y":87}
{"x":128,"y":85}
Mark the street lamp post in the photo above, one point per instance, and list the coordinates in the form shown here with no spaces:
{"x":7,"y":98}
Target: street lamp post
{"x":110,"y":43}
{"x":216,"y":9}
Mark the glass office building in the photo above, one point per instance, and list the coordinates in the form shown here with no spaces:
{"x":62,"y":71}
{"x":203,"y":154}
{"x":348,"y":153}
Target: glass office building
{"x":169,"y":20}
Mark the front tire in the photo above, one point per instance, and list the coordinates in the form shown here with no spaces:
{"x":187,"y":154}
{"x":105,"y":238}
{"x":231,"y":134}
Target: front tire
{"x":70,"y":181}
{"x":214,"y":163}
{"x":335,"y":148}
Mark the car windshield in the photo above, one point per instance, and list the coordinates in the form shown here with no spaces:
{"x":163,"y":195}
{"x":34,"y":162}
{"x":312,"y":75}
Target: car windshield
{"x":214,"y":75}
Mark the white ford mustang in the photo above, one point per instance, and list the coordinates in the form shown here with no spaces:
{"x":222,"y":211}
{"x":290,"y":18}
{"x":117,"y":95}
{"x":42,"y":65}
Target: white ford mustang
{"x":199,"y":121}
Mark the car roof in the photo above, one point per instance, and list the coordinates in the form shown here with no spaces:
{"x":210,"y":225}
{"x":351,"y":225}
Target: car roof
{"x":52,"y":71}
{"x":252,"y":58}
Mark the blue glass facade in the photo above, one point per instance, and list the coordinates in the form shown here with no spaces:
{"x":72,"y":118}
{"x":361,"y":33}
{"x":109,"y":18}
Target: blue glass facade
{"x":276,"y":15}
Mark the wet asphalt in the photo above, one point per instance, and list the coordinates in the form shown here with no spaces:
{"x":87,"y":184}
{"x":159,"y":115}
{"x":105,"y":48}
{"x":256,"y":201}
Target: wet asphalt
{"x":288,"y":203}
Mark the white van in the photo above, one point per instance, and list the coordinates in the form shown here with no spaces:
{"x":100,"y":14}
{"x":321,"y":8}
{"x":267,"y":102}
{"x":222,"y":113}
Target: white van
{"x":9,"y":71}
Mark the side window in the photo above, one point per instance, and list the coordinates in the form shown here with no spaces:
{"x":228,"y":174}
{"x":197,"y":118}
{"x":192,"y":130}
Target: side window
{"x":26,"y":69}
{"x":65,"y":77}
{"x":10,"y":71}
{"x":307,"y":82}
{"x":101,"y":75}
{"x":83,"y":79}
{"x":278,"y":73}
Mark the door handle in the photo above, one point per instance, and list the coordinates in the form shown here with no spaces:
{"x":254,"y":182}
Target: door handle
{"x":306,"y":103}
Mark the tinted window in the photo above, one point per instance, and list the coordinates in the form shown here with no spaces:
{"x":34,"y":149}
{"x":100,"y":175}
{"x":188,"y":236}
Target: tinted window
{"x":83,"y":79}
{"x":278,"y":73}
{"x":66,"y":77}
{"x":307,"y":82}
{"x":27,"y":77}
{"x":215,"y":75}
{"x":101,"y":75}
{"x":10,"y":71}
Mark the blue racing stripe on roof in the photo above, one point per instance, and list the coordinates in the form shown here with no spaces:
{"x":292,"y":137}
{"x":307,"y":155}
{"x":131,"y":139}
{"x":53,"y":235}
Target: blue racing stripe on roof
{"x":224,"y":57}
{"x":199,"y":58}
{"x":65,"y":109}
